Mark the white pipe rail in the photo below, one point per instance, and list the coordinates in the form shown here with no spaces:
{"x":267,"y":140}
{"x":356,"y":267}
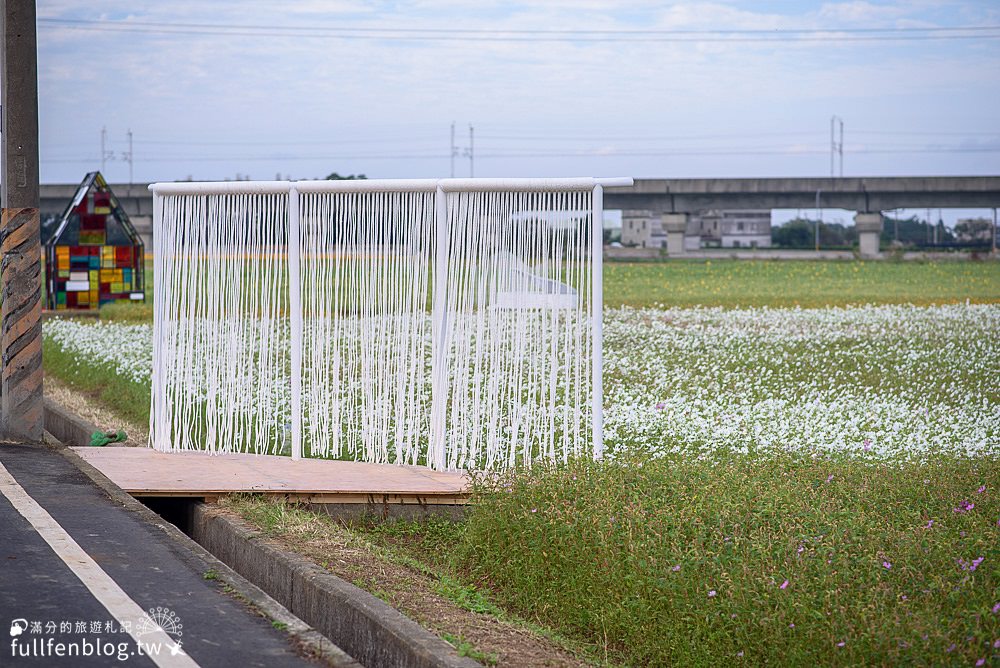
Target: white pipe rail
{"x":452,"y":244}
{"x":384,"y":185}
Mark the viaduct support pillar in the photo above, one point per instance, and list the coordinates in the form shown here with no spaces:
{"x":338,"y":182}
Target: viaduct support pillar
{"x":869,"y":226}
{"x":675,"y":225}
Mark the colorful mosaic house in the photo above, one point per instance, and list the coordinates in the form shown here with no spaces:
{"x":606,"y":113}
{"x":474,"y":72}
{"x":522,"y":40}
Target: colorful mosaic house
{"x":95,"y":255}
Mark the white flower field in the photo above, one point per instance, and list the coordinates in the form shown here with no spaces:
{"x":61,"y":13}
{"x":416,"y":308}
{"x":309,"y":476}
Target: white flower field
{"x":874,"y":381}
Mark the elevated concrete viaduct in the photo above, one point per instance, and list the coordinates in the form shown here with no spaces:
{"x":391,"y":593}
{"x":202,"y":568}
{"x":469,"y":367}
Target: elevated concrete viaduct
{"x":669,"y":202}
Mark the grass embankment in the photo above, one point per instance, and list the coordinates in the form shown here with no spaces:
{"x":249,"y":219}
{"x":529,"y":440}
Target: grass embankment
{"x":100,"y":381}
{"x":685,"y":562}
{"x":415,"y":579}
{"x":788,"y":560}
{"x":739,"y":283}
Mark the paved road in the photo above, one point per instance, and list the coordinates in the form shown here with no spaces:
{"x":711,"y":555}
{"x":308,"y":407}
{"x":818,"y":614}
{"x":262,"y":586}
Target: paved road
{"x":71,"y":560}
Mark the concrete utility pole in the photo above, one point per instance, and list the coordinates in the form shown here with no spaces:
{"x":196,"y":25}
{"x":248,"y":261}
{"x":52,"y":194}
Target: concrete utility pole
{"x":20,"y":267}
{"x":454,"y":151}
{"x":836,"y":148}
{"x":819,"y":219}
{"x":128,"y":158}
{"x":994,"y":231}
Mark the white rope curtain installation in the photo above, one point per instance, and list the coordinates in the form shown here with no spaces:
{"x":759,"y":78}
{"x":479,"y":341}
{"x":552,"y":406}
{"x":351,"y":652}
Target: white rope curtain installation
{"x":451,"y":323}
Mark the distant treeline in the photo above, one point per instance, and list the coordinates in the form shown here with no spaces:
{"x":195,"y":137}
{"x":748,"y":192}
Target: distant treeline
{"x":904,"y":232}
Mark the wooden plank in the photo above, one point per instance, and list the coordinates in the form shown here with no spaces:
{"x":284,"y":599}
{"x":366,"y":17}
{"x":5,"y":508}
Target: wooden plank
{"x":146,"y":472}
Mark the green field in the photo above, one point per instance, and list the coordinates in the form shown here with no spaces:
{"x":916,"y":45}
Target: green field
{"x":850,"y":452}
{"x":738,"y":283}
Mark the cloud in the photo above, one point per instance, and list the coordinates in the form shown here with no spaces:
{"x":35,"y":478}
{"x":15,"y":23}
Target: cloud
{"x":265,"y":95}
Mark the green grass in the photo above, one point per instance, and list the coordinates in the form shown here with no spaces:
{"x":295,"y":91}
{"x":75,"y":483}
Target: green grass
{"x":131,"y":313}
{"x":737,"y":283}
{"x":740,"y":283}
{"x":127,"y":398}
{"x":465,"y":648}
{"x":426,"y":548}
{"x":626,"y":554}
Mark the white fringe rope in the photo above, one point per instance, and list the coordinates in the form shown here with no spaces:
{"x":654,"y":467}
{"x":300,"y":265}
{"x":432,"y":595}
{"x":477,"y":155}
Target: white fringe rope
{"x":367,"y":355}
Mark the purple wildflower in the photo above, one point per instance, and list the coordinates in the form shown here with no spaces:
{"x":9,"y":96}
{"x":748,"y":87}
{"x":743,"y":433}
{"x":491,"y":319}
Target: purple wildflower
{"x":660,"y":406}
{"x":964,"y":507}
{"x":981,"y":662}
{"x":792,"y":625}
{"x":841,"y":643}
{"x":950,"y":648}
{"x":534,"y":510}
{"x":866,"y":445}
{"x":712,"y":593}
{"x":996,"y":608}
{"x":930,"y":523}
{"x":981,"y":489}
{"x":829,"y":478}
{"x":996,"y":644}
{"x":676,"y":568}
{"x":739,"y":653}
{"x":975,"y":563}
{"x":784,"y":585}
{"x":886,"y":565}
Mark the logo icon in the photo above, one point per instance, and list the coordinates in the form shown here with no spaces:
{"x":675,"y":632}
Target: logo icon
{"x":164,"y":619}
{"x":17,"y":627}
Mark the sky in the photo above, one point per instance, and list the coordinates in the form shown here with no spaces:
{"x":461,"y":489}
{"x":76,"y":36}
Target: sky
{"x":235,"y":89}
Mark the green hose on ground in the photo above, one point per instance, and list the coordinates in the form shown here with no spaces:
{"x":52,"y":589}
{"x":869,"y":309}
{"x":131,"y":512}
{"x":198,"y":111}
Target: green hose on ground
{"x":100,"y":438}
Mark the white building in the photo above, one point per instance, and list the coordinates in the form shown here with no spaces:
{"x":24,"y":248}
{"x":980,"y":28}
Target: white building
{"x":642,"y":229}
{"x":736,"y":228}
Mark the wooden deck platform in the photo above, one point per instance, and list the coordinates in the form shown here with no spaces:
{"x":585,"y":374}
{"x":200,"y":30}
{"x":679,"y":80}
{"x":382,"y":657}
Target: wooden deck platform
{"x":146,"y":472}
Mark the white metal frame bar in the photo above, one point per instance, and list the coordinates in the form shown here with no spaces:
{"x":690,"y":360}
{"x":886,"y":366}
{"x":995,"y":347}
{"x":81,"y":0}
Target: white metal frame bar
{"x":295,"y":308}
{"x":439,"y":336}
{"x":597,"y":325}
{"x":377,"y":185}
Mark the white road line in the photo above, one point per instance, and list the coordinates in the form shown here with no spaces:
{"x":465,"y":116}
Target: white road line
{"x":100,"y":584}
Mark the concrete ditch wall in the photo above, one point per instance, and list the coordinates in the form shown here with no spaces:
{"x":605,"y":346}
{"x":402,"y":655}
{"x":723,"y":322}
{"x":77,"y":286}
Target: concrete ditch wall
{"x":368,"y":629}
{"x":65,"y":426}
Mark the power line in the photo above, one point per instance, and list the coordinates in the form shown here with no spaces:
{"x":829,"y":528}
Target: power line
{"x":532,"y":35}
{"x":590,"y":138}
{"x":598,"y":153}
{"x":491,"y":31}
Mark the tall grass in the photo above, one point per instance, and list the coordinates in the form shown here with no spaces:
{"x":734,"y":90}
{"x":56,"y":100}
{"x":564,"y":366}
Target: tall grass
{"x":788,"y":560}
